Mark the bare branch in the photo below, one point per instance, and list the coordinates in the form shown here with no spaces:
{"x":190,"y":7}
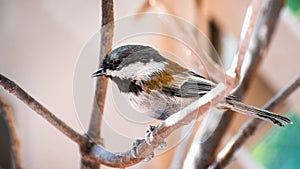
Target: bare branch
{"x":164,"y":129}
{"x":6,"y":112}
{"x":99,"y":99}
{"x":217,"y":72}
{"x":16,"y":90}
{"x":283,"y":94}
{"x":246,"y":33}
{"x":207,"y":149}
{"x":107,"y":32}
{"x":248,"y":129}
{"x":89,"y":164}
{"x":258,"y":45}
{"x":93,"y":154}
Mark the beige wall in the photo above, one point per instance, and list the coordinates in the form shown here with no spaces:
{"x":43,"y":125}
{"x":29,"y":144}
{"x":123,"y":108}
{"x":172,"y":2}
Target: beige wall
{"x":39,"y":46}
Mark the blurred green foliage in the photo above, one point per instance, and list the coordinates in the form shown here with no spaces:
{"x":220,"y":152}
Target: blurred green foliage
{"x":294,"y":6}
{"x":280,"y":149}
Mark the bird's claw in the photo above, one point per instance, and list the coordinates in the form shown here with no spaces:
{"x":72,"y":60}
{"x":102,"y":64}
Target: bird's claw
{"x":134,"y":151}
{"x":151,"y":155}
{"x":149,"y":138}
{"x":149,"y":134}
{"x":162,"y":146}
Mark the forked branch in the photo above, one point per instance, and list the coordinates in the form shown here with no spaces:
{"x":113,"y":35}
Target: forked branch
{"x":248,"y":129}
{"x":97,"y":153}
{"x":257,"y":45}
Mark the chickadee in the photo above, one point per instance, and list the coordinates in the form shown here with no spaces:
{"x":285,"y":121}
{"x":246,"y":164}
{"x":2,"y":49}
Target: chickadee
{"x":159,"y":87}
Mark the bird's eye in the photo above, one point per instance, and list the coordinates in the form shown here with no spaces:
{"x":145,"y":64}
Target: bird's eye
{"x":116,"y":61}
{"x":113,"y":63}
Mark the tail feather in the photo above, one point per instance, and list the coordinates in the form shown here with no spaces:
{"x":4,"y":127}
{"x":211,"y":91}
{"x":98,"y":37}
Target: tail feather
{"x":256,"y":112}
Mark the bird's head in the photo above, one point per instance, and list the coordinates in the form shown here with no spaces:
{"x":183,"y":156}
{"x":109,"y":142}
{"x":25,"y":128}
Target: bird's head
{"x":124,"y":63}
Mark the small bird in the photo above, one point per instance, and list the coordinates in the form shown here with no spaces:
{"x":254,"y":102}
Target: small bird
{"x":159,"y":87}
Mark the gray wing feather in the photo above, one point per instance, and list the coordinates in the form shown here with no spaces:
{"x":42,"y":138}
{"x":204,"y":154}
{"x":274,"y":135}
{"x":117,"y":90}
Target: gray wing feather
{"x":188,"y":85}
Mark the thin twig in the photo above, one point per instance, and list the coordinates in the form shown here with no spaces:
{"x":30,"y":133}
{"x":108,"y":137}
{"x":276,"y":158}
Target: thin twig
{"x":16,"y":90}
{"x":217,"y":73}
{"x":107,"y":32}
{"x":258,"y":45}
{"x":245,"y":39}
{"x":283,"y":94}
{"x":246,"y":33}
{"x":94,"y":131}
{"x":248,"y":129}
{"x":6,"y":112}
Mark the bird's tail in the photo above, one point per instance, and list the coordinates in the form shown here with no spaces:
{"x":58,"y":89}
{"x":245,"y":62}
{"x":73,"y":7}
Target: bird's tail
{"x":256,"y":112}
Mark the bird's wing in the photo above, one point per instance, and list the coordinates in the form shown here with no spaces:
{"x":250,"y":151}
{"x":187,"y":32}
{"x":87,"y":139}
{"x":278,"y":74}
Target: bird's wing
{"x":177,"y":81}
{"x":188,"y":85}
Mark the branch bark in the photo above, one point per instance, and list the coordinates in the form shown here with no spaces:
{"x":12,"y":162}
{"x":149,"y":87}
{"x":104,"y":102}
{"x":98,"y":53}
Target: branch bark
{"x":107,"y":32}
{"x":6,"y":112}
{"x":164,"y":129}
{"x":246,"y":33}
{"x":248,"y":129}
{"x":98,"y":106}
{"x":258,"y":44}
{"x":93,"y":153}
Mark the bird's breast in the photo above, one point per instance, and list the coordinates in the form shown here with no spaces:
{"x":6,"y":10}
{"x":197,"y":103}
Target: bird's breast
{"x":156,"y":104}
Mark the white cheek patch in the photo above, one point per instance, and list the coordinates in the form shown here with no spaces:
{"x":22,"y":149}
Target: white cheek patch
{"x":138,"y":70}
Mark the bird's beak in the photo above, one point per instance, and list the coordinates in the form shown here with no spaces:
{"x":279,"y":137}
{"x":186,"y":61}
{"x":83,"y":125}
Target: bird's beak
{"x":99,"y":72}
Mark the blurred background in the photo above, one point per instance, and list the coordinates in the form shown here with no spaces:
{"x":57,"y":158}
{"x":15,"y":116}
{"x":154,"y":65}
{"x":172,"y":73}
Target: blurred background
{"x":45,"y":46}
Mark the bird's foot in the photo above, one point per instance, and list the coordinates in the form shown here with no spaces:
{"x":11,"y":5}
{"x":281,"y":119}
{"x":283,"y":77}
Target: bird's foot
{"x":150,"y":156}
{"x":149,"y":138}
{"x":162,"y":146}
{"x":134,"y":151}
{"x":149,"y":134}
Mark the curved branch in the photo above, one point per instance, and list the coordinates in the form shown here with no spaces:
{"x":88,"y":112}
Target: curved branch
{"x":226,"y":154}
{"x":6,"y":112}
{"x":257,"y":44}
{"x":92,"y":153}
{"x":163,"y":130}
{"x":96,"y":153}
{"x":16,"y":90}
